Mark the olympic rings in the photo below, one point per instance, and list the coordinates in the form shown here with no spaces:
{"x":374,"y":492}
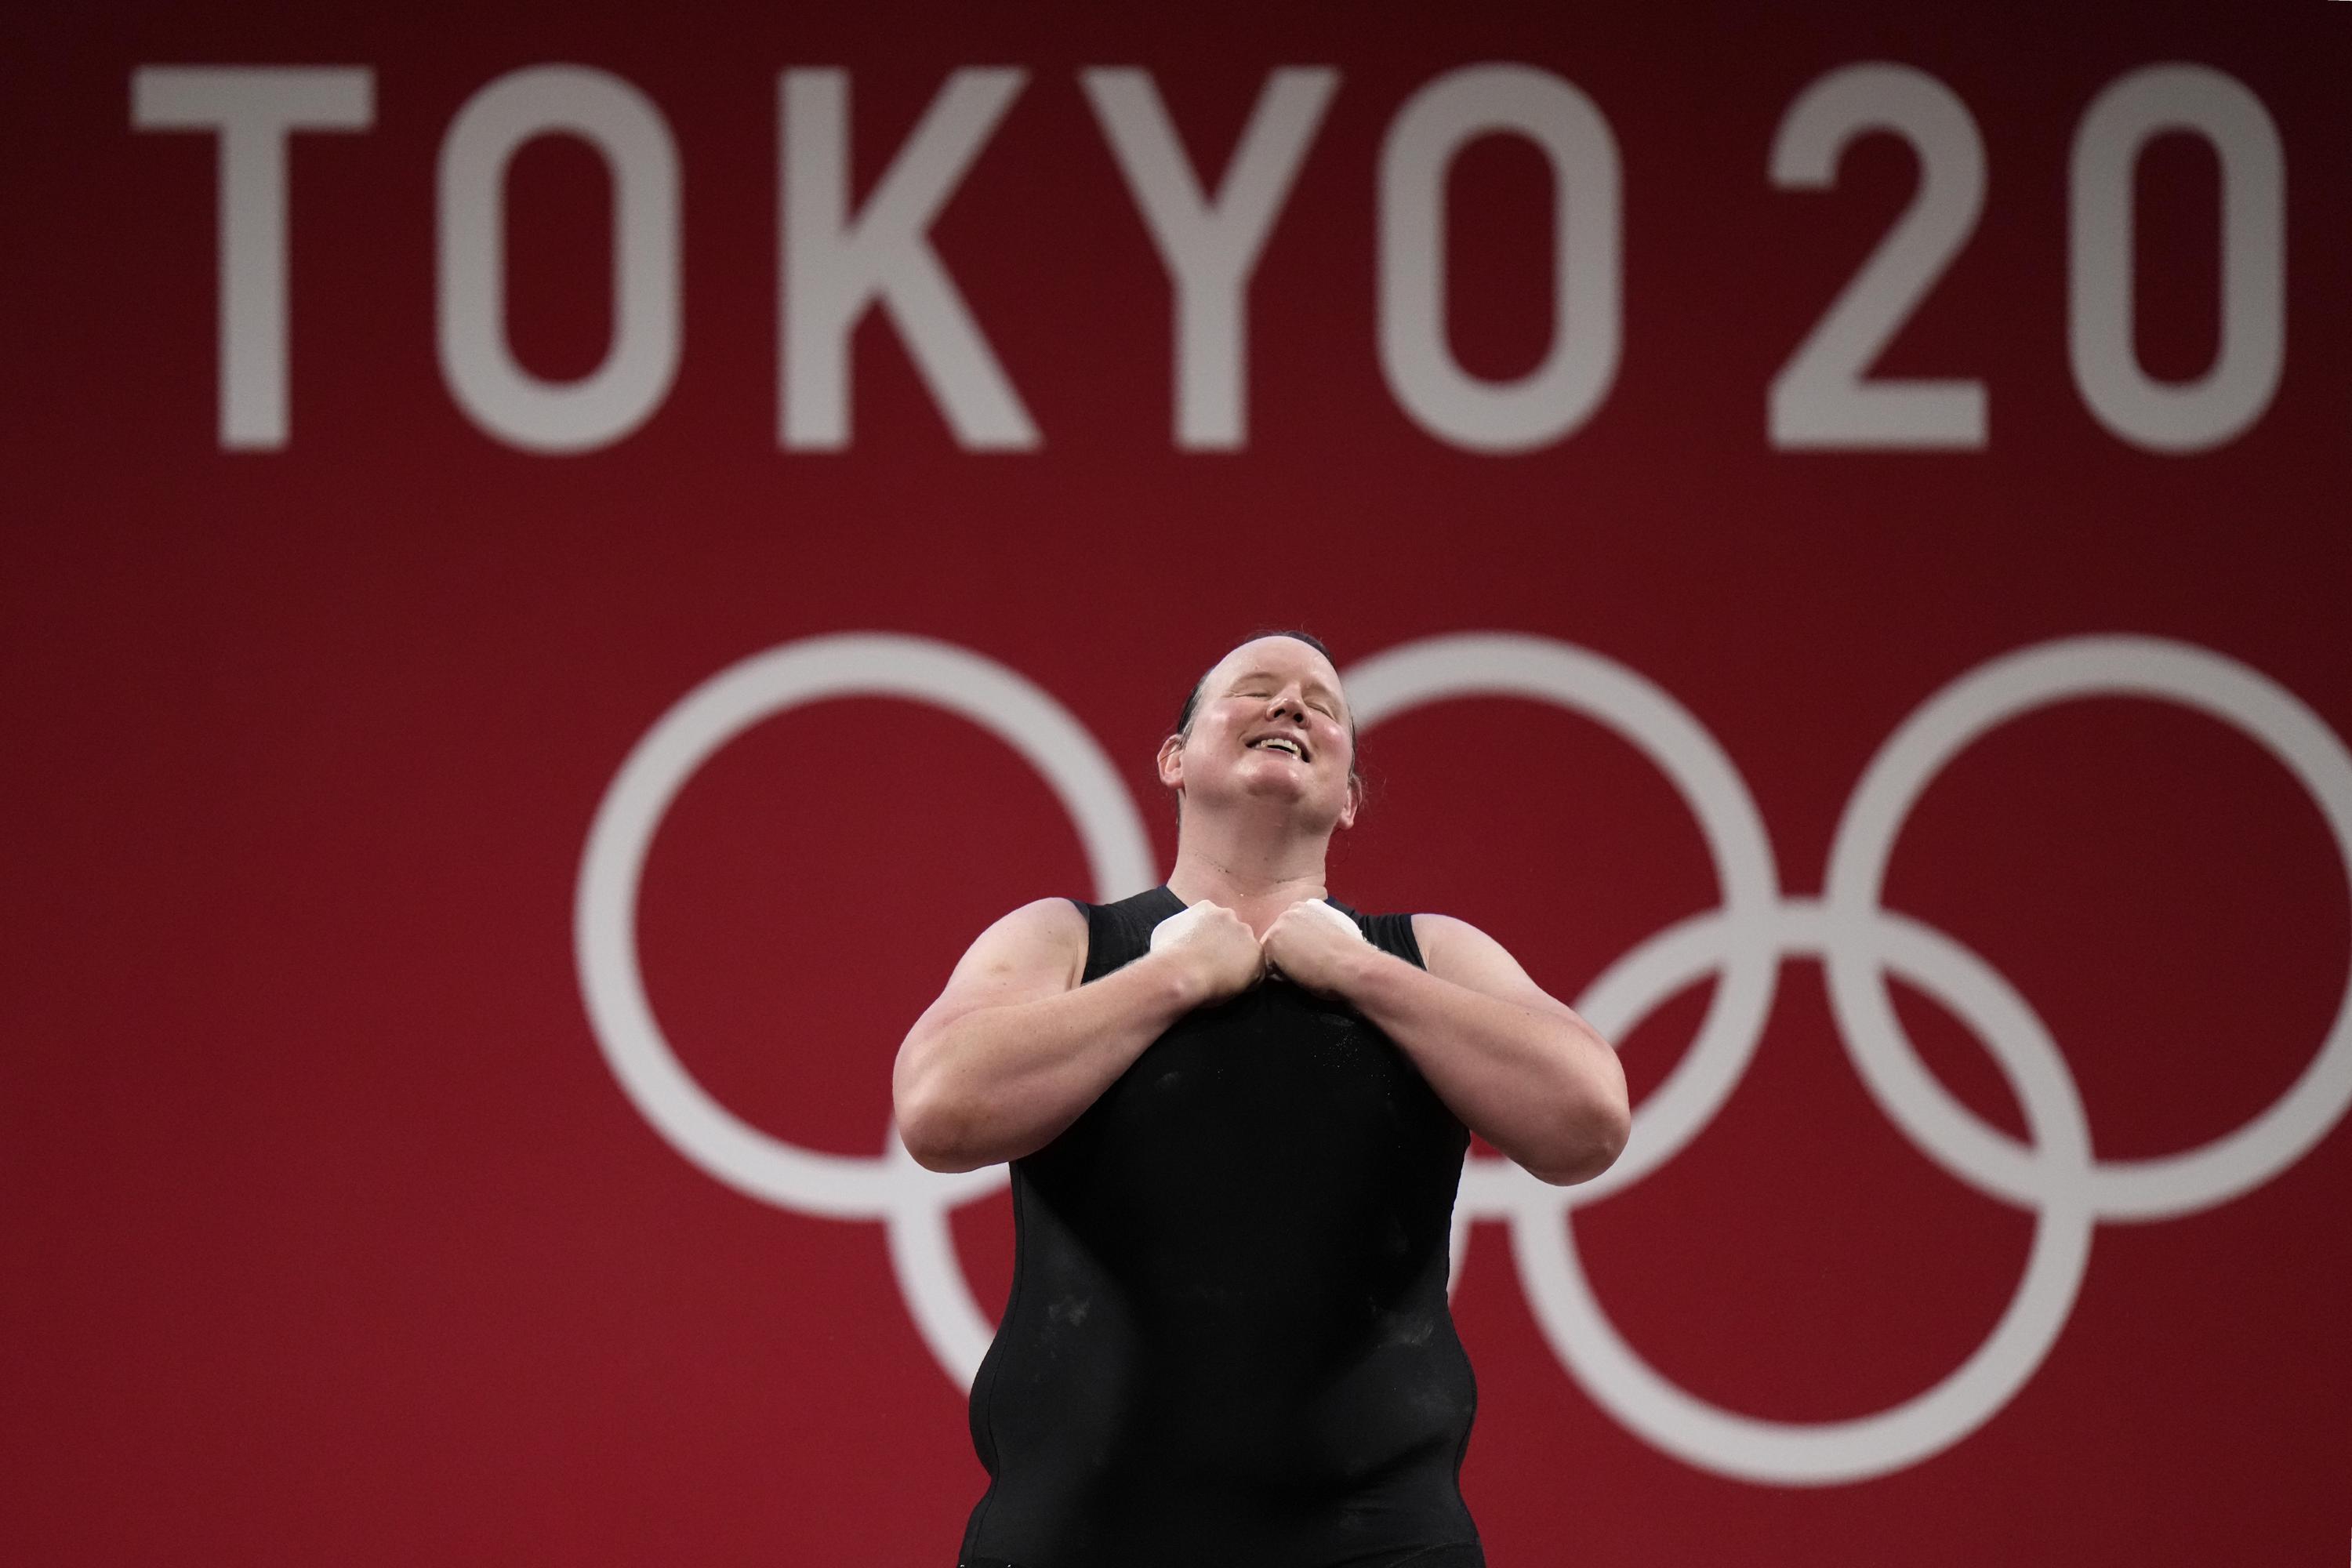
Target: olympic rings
{"x":1743,"y":941}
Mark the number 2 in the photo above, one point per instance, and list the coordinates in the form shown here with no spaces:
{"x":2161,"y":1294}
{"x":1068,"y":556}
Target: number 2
{"x":1822,"y":396}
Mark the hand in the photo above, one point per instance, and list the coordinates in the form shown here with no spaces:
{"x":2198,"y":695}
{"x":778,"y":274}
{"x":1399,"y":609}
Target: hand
{"x":1216,"y":945}
{"x":1314,"y":946}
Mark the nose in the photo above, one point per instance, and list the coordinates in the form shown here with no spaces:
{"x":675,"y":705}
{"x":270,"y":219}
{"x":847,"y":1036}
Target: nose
{"x":1290,"y":699}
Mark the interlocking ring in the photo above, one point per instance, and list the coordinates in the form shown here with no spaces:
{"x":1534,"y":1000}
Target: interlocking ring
{"x":1742,"y":942}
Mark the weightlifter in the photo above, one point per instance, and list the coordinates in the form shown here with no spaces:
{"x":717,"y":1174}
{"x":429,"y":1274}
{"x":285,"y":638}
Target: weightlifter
{"x":1236,"y":1113}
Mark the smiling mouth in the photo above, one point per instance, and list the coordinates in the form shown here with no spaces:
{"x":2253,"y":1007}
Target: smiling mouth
{"x":1282,"y":744}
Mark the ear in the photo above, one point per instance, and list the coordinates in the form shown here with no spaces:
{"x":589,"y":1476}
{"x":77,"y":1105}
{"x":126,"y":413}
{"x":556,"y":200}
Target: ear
{"x":1355,"y":802}
{"x":1171,"y":762}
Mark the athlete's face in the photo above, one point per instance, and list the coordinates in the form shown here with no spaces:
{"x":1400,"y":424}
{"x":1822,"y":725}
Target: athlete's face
{"x":1271,"y":721}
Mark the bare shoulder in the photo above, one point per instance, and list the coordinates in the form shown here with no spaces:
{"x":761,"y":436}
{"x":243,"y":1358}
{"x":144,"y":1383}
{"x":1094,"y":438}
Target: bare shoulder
{"x":1457,"y":951}
{"x":1037,"y":950}
{"x":1444,"y":938}
{"x":1056,"y":919}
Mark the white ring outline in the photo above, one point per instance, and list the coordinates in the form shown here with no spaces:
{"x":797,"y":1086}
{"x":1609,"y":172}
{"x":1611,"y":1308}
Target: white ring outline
{"x":1006,"y":704}
{"x":1824,"y":1453}
{"x":1987,"y":697}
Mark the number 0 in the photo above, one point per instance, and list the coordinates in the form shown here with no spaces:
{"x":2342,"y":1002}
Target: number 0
{"x":2194,"y":416}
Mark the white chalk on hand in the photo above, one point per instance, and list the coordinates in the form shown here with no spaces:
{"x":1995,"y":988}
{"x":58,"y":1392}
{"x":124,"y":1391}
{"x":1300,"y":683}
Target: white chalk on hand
{"x":1321,"y":909}
{"x":1173,"y":928}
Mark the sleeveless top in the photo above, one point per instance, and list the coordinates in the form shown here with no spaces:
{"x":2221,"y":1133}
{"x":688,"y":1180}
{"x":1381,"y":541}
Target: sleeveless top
{"x":1227,"y":1340}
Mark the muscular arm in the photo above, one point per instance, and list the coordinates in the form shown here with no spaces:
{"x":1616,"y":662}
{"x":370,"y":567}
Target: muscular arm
{"x":1015,"y":1048}
{"x":1521,"y":1070}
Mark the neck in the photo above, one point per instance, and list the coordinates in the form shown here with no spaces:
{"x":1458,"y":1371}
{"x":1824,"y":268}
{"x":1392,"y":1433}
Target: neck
{"x":1257,"y":869}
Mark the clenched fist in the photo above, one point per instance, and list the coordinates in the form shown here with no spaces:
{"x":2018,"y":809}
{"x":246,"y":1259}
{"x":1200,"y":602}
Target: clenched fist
{"x":1313,"y":946}
{"x":1216,"y":944}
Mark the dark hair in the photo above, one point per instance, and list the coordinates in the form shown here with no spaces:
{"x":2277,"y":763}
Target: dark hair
{"x":1192,"y":698}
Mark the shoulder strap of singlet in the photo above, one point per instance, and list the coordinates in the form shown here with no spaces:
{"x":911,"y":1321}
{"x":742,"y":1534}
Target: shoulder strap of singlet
{"x":1390,"y":933}
{"x":1120,"y":933}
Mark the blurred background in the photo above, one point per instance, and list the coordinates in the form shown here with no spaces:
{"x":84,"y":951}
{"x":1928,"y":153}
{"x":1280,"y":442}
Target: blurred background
{"x":559,"y":562}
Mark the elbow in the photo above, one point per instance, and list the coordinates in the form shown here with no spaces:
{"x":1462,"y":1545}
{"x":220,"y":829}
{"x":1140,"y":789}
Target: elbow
{"x":929,"y":1141}
{"x":943,"y":1123}
{"x":1614,"y":1125}
{"x":927,"y":1129}
{"x":918,"y":1136}
{"x":1590,"y":1144}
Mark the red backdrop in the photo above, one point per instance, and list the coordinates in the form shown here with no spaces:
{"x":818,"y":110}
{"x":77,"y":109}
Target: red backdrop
{"x":350,"y":1216}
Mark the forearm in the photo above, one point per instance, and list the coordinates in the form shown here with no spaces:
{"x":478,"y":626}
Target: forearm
{"x":1000,"y":1082}
{"x":1537,"y":1084}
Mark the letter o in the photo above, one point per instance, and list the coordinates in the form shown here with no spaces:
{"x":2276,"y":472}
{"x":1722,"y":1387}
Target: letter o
{"x":1434,"y":126}
{"x":629,"y":132}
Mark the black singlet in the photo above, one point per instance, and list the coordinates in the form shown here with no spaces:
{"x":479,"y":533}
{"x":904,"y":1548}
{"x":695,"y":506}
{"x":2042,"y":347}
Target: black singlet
{"x":1227,"y":1340}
